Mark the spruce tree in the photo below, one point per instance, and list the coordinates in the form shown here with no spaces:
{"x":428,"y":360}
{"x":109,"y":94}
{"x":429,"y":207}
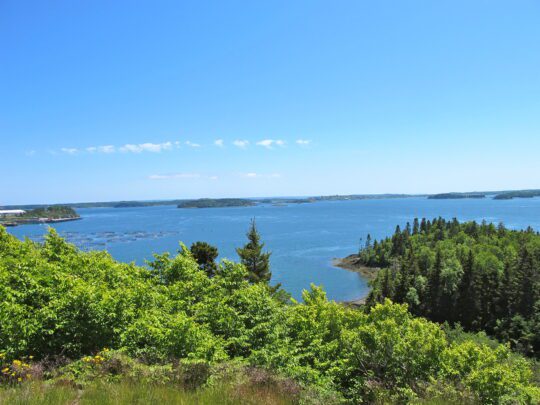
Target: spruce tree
{"x":434,"y":284}
{"x":466,"y":307}
{"x":251,"y":255}
{"x":416,"y":227}
{"x":527,"y":281}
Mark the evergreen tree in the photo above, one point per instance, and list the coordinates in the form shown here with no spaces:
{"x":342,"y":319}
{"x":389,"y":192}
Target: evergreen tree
{"x":398,"y":247}
{"x":205,"y":255}
{"x":467,"y":309}
{"x":251,"y":255}
{"x":434,"y":285}
{"x":527,"y":290}
{"x":416,"y":227}
{"x":368,"y":241}
{"x":423,"y":225}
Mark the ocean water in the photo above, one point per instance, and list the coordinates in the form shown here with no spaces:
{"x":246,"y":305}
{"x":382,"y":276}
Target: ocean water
{"x":303,"y":238}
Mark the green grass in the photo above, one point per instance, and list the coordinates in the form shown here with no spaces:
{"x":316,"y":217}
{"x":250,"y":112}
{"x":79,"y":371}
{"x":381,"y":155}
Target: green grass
{"x":129,"y":393}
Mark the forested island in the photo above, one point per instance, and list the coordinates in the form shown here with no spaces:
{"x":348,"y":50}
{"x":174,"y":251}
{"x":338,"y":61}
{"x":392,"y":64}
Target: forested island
{"x":50,"y":214}
{"x":455,"y":196}
{"x":517,"y":194}
{"x":186,"y":329}
{"x":481,"y":277}
{"x":217,"y":203}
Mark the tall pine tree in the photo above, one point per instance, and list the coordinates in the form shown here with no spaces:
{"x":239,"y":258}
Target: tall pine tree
{"x":251,"y":255}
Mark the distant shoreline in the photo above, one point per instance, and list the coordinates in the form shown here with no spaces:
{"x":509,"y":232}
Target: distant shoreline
{"x":496,"y":195}
{"x":35,"y":221}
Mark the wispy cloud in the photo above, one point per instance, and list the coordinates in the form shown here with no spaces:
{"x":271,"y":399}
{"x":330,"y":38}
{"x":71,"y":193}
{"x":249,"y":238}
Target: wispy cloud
{"x":101,"y":149}
{"x":106,"y":149}
{"x":241,"y":143}
{"x":270,"y":143}
{"x":193,"y":144}
{"x":146,"y":147}
{"x":70,"y":151}
{"x":30,"y":152}
{"x":138,"y":148}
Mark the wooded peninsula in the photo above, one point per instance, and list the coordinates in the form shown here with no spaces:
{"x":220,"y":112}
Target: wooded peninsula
{"x":55,"y":213}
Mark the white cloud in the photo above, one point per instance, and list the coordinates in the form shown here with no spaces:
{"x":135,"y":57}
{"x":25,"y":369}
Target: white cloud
{"x":213,"y":177}
{"x":146,"y":147}
{"x":106,"y":149}
{"x":269,"y":143}
{"x":241,"y":143}
{"x":70,"y":151}
{"x":30,"y":152}
{"x":192,"y":144}
{"x":219,"y":143}
{"x":303,"y":142}
{"x":91,"y":149}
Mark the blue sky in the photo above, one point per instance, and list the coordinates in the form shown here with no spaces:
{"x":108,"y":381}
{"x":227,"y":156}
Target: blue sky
{"x":120,"y":100}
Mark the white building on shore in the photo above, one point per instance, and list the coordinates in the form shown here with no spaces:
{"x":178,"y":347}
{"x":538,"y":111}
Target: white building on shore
{"x":11,"y":213}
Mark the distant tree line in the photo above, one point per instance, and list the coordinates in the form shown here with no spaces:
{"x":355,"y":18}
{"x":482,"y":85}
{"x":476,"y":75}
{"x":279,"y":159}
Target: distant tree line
{"x":482,"y":276}
{"x":52,"y":212}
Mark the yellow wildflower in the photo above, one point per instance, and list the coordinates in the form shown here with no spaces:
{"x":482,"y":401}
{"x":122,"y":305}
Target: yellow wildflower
{"x":5,"y":370}
{"x":30,"y":357}
{"x":17,"y":363}
{"x":19,"y":379}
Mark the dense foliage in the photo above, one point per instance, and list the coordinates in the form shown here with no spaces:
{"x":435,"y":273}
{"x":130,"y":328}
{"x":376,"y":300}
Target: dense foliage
{"x":482,"y":276}
{"x":59,"y":301}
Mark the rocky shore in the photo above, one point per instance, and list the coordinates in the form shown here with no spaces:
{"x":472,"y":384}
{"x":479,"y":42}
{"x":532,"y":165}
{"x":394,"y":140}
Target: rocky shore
{"x":352,"y":263}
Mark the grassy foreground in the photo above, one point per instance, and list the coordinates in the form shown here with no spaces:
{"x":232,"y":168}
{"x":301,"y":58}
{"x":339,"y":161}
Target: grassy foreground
{"x":119,"y":393}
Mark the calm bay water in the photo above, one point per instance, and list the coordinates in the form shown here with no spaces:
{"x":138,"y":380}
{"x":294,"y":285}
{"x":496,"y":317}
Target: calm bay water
{"x":303,"y":238}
